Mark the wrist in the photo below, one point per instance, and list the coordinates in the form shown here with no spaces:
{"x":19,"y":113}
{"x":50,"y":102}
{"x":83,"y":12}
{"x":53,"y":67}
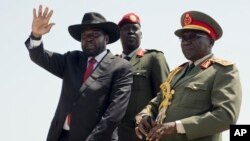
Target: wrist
{"x":35,"y":37}
{"x":179,"y":127}
{"x":139,"y":117}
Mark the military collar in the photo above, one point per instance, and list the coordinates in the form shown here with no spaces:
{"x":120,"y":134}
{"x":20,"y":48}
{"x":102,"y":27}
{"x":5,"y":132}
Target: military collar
{"x":197,"y":62}
{"x":139,"y":52}
{"x":202,"y":59}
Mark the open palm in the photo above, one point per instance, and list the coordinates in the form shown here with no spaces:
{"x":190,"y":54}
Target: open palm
{"x":40,"y":24}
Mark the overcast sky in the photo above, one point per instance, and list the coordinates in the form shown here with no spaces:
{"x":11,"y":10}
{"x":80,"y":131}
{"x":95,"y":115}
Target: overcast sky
{"x":29,"y":94}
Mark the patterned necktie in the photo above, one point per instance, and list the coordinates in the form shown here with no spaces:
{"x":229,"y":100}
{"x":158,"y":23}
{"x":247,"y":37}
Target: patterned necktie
{"x":89,"y":69}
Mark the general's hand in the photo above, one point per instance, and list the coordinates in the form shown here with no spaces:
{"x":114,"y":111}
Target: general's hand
{"x":144,"y":126}
{"x":160,"y":130}
{"x":40,"y":24}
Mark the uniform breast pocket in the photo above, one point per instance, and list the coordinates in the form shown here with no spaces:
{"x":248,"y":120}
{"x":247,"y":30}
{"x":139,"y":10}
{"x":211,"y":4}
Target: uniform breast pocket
{"x":196,"y":95}
{"x":139,"y":79}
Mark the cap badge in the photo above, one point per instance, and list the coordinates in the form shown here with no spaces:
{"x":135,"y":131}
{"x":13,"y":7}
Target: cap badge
{"x":187,"y":19}
{"x":132,"y":18}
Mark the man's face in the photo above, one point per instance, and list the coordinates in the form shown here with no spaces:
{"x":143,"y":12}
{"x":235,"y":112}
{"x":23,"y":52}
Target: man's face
{"x":93,"y":41}
{"x":130,"y":35}
{"x":195,"y":44}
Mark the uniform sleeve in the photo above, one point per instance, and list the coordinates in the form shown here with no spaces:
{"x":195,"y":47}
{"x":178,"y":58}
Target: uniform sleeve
{"x":151,"y":109}
{"x":226,"y":100}
{"x":160,"y":71}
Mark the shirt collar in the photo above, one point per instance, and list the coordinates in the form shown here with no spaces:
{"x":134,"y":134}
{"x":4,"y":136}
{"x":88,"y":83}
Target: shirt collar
{"x":99,"y":57}
{"x":201,"y":60}
{"x":131,"y":54}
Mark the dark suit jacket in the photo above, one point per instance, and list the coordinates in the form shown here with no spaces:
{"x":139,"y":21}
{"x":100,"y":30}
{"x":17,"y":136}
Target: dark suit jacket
{"x":98,"y":104}
{"x":150,"y":69}
{"x":207,"y":100}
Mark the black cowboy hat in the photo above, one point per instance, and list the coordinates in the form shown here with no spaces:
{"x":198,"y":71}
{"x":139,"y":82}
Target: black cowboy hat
{"x":95,"y":20}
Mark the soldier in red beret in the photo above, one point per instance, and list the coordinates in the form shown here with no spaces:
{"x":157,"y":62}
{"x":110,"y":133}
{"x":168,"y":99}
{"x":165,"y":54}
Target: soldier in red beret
{"x":200,"y":98}
{"x":150,"y":69}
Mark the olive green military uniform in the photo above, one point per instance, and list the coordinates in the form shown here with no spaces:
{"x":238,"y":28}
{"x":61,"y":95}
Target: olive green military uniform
{"x":150,"y":70}
{"x":206,"y":101}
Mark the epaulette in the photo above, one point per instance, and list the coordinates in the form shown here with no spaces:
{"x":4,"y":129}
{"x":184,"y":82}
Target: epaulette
{"x":222,"y":62}
{"x":140,"y":52}
{"x":152,"y":50}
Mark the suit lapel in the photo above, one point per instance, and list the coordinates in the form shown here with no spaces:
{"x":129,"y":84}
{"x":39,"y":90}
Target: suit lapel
{"x":100,"y":68}
{"x":82,"y":68}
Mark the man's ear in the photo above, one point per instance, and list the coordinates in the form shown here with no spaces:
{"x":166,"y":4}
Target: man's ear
{"x":212,"y":42}
{"x":107,"y":39}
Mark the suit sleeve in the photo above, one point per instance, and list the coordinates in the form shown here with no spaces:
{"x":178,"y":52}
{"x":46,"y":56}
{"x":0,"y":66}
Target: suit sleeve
{"x":226,"y":101}
{"x":119,"y":98}
{"x":52,"y":62}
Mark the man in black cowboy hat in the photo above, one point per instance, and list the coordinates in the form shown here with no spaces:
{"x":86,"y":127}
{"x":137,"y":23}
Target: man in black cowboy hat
{"x":96,"y":84}
{"x":200,"y":98}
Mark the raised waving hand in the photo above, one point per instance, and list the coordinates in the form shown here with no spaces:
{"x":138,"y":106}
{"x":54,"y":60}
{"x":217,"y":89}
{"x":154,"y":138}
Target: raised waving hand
{"x":40,"y":23}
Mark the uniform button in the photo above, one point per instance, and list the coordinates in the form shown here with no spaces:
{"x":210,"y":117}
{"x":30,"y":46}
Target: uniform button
{"x":194,"y":88}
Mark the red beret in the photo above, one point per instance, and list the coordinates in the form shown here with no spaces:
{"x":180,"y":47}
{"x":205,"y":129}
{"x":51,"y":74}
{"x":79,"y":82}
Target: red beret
{"x":130,"y":18}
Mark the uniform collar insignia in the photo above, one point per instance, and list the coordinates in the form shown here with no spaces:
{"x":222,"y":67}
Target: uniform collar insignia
{"x":140,"y":52}
{"x":205,"y":64}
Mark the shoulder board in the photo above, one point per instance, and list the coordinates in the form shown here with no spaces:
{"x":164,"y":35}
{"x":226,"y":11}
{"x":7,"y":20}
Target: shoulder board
{"x":152,"y":50}
{"x":221,"y":61}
